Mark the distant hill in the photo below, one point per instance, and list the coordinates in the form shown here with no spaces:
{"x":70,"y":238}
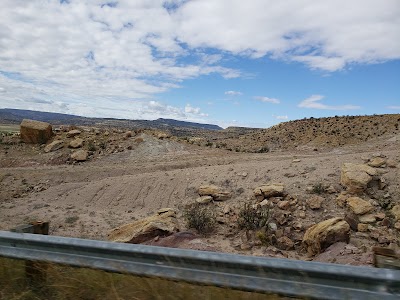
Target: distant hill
{"x":315,"y":132}
{"x":15,"y":116}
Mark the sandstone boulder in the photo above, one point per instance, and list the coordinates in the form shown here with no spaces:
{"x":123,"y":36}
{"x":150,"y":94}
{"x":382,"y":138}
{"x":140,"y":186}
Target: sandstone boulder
{"x":80,"y":155}
{"x":161,"y":224}
{"x":73,"y":133}
{"x":320,"y":236}
{"x":35,"y":132}
{"x":356,"y":177}
{"x":76,"y":143}
{"x":359,"y":206}
{"x":217,"y":193}
{"x":269,"y":190}
{"x":53,"y":146}
{"x":315,"y":202}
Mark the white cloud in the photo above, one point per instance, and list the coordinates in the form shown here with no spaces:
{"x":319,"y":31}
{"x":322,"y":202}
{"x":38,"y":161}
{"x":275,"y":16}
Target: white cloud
{"x":312,"y":102}
{"x":267,"y":99}
{"x":194,"y":111}
{"x":281,"y":117}
{"x":233,"y":93}
{"x":393,"y":107}
{"x":315,"y":33}
{"x":85,"y":57}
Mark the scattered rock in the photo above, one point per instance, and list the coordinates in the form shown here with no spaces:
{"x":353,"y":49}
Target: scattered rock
{"x":73,"y":133}
{"x":315,"y":202}
{"x":368,"y":219}
{"x":359,"y":206}
{"x":396,"y":212}
{"x":284,"y":204}
{"x":161,"y":224}
{"x":76,"y":143}
{"x":204,"y":199}
{"x":269,"y":190}
{"x":352,"y":220}
{"x":377,"y":162}
{"x":53,"y":146}
{"x":342,"y":199}
{"x":80,"y":155}
{"x":356,"y":177}
{"x":128,"y":134}
{"x":35,"y":132}
{"x":397,"y":225}
{"x":320,"y":236}
{"x":362,"y":227}
{"x":285,"y":243}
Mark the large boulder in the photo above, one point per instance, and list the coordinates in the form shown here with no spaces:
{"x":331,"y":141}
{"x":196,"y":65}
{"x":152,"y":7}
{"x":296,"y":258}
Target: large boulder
{"x":269,"y":190}
{"x":359,"y":206}
{"x":355,"y":177}
{"x":217,"y":193}
{"x":320,"y":236}
{"x":162,"y":224}
{"x":35,"y":132}
{"x":53,"y":146}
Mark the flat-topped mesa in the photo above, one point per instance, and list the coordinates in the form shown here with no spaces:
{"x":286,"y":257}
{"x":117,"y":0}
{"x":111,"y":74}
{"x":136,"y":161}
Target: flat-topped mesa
{"x":35,"y":132}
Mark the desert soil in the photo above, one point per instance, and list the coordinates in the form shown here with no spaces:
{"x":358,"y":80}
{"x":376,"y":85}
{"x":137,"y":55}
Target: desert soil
{"x":89,"y":199}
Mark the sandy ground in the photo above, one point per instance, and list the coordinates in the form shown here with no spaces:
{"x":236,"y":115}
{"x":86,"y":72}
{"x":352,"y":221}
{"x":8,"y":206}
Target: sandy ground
{"x":89,"y":199}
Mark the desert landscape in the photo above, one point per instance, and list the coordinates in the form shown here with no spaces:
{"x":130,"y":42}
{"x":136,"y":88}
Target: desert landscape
{"x":314,"y":189}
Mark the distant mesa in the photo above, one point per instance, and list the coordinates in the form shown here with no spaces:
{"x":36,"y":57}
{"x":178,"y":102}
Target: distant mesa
{"x":15,"y":116}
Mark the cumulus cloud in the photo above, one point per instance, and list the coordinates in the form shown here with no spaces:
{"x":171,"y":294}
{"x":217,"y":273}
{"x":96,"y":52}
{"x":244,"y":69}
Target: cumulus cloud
{"x":90,"y":56}
{"x":281,"y":117}
{"x":194,"y":111}
{"x":233,"y":93}
{"x":393,"y":107}
{"x":318,"y":34}
{"x":312,"y":102}
{"x":267,"y":99}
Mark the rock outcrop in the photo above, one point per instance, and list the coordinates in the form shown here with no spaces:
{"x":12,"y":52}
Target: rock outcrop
{"x":269,"y":190}
{"x":217,"y":193}
{"x":356,"y":177}
{"x":35,"y":132}
{"x":54,"y":146}
{"x":320,"y":236}
{"x":162,"y":224}
{"x":80,"y":155}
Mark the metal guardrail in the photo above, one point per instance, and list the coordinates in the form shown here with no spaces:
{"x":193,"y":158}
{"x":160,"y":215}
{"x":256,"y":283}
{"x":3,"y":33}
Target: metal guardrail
{"x":268,"y":275}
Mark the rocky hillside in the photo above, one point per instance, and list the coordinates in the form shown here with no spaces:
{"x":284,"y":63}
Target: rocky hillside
{"x":321,"y":132}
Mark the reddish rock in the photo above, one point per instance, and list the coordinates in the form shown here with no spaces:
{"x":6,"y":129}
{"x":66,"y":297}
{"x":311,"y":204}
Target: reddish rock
{"x":35,"y":132}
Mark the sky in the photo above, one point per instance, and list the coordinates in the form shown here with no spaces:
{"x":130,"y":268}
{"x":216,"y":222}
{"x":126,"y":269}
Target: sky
{"x":251,"y":63}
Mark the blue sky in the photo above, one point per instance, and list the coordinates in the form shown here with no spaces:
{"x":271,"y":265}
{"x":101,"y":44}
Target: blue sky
{"x":245,"y":63}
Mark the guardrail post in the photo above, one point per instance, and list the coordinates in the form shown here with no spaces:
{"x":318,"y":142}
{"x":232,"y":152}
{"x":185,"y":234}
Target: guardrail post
{"x":36,"y":272}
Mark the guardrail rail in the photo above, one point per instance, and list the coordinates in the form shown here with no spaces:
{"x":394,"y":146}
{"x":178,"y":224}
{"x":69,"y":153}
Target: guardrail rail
{"x":284,"y":277}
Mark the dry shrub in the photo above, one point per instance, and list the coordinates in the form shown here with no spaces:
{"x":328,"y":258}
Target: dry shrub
{"x":251,"y":218}
{"x":200,"y":217}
